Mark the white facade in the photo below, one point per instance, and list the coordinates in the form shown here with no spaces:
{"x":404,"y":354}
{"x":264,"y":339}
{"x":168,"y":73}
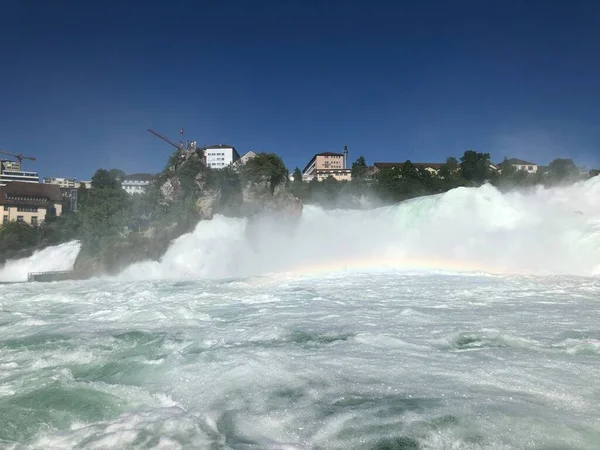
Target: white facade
{"x":220,"y":156}
{"x":135,"y":186}
{"x":62,"y":182}
{"x":519,"y":164}
{"x":531,"y":168}
{"x":137,"y":183}
{"x":11,"y":171}
{"x":67,"y":183}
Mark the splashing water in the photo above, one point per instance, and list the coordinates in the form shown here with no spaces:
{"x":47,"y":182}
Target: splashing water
{"x":541,"y":231}
{"x":335,"y":348}
{"x":57,"y":258}
{"x":478,"y":229}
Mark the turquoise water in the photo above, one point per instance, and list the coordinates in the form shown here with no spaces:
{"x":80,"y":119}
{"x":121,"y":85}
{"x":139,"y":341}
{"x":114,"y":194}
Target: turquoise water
{"x":372,"y":360}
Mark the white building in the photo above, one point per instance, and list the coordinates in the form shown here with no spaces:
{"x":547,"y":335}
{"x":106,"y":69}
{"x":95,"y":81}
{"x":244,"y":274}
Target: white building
{"x":220,"y":156}
{"x":70,"y":183}
{"x":328,"y":164}
{"x":11,"y":171}
{"x":519,"y":164}
{"x":136,"y":183}
{"x":67,"y":183}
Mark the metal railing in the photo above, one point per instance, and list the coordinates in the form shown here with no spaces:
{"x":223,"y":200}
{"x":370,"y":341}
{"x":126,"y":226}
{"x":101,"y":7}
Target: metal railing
{"x":58,"y":275}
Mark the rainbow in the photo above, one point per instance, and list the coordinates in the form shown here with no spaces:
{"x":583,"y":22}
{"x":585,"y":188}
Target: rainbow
{"x":387,"y":264}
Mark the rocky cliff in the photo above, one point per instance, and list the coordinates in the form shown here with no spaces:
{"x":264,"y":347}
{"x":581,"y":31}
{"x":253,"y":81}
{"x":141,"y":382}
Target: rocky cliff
{"x":187,"y":192}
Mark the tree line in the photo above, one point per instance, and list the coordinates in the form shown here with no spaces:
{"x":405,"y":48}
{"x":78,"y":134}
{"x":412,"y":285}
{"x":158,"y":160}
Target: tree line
{"x":390,"y":185}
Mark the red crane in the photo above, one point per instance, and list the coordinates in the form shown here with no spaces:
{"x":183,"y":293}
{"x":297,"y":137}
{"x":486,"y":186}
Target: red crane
{"x":19,"y":156}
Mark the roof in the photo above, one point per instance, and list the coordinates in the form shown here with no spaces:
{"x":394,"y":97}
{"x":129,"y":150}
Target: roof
{"x":139,"y":176}
{"x":329,"y":154}
{"x":29,"y":193}
{"x":388,"y":165}
{"x":218,"y":146}
{"x":320,"y":154}
{"x":517,"y":162}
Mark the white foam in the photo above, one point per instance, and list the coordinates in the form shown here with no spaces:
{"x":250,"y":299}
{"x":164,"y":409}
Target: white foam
{"x":56,"y":258}
{"x":535,"y":231}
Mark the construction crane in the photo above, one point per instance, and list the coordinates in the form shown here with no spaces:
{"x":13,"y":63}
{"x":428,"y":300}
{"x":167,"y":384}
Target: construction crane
{"x":166,"y":139}
{"x":19,"y":156}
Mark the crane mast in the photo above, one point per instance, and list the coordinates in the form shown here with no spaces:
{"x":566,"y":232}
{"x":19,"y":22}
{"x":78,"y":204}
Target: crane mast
{"x":166,"y":139}
{"x":19,"y":156}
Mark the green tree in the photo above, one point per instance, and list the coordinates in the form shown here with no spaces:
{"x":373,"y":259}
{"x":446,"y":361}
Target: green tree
{"x":82,"y":192}
{"x":103,"y":179}
{"x":230,"y":189}
{"x":104,"y":217}
{"x":475,"y":167}
{"x":408,"y":171}
{"x":452,"y":164}
{"x":448,"y":176}
{"x":117,"y":174}
{"x":16,"y":236}
{"x":359,"y":169}
{"x":265,"y":168}
{"x":297,"y":175}
{"x":389,"y":185}
{"x":562,"y":170}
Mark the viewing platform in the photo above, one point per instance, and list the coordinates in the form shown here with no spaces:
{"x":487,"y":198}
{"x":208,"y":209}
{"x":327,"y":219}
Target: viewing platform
{"x":52,"y":276}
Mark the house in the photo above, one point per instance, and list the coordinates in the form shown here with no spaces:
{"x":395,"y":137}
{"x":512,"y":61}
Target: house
{"x":67,"y":183}
{"x":324,"y":165}
{"x":519,"y":164}
{"x":11,"y":171}
{"x":29,"y":202}
{"x":244,"y":159}
{"x":220,"y":156}
{"x":136,"y":183}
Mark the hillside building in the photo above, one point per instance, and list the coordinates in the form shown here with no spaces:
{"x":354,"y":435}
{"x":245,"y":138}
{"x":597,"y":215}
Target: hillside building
{"x":137,"y":183}
{"x":11,"y":171}
{"x":519,"y":164}
{"x":324,"y":165}
{"x":220,"y":156}
{"x":67,"y":183}
{"x":31,"y":203}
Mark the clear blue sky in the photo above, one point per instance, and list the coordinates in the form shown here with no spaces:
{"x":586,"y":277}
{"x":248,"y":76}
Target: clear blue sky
{"x":81,"y":82}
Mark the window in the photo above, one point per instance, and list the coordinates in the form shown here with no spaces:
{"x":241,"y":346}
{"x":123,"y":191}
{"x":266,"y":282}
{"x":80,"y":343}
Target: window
{"x":34,"y":221}
{"x":20,"y":219}
{"x":6,"y":208}
{"x":5,"y":219}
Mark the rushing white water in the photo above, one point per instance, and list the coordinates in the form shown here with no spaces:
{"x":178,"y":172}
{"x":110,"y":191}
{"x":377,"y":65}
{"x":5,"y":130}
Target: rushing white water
{"x":339,"y":361}
{"x":359,"y":330}
{"x":539,"y":231}
{"x":60,"y":257}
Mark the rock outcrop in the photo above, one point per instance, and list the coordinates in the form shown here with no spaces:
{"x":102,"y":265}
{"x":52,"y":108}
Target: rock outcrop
{"x":190,"y":192}
{"x":137,"y":247}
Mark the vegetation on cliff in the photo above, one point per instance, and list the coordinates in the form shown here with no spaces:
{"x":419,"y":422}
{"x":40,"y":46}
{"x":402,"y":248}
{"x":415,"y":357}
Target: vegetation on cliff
{"x":130,"y":229}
